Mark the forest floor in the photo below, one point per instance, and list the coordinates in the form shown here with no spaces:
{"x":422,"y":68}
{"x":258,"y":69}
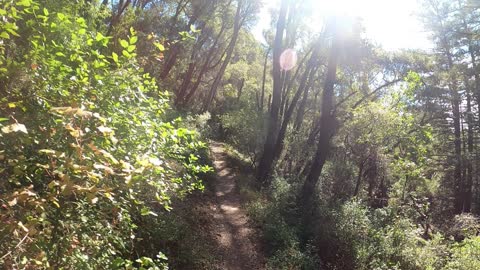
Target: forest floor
{"x":238,"y":242}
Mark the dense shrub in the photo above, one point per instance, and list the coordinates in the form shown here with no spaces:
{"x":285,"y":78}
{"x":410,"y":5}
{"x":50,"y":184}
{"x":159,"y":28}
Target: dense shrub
{"x":465,"y":255}
{"x":85,"y":149}
{"x":351,"y":235}
{"x":281,"y":228}
{"x":244,"y":129}
{"x":377,"y":239}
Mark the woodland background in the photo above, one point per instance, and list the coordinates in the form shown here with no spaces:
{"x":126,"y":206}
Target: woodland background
{"x":361,"y":158}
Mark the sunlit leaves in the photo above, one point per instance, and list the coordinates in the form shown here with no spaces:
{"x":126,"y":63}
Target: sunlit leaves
{"x":99,"y":36}
{"x":115,"y":57}
{"x":146,"y":211}
{"x":133,"y":40}
{"x":16,"y":127}
{"x":69,"y":111}
{"x":124,"y":43}
{"x":93,"y":155}
{"x":131,"y":48}
{"x":159,"y":46}
{"x":61,"y":16}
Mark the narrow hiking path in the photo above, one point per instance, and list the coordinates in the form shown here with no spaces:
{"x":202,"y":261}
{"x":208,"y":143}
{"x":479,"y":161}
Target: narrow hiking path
{"x":238,"y":242}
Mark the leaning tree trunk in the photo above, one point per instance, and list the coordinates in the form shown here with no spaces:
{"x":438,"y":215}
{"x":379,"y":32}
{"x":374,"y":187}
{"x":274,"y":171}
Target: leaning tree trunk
{"x":327,"y":124}
{"x":236,"y":30}
{"x":204,"y":69}
{"x":307,"y":76}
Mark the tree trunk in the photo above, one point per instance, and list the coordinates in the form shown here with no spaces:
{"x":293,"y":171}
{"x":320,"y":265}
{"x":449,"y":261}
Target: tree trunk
{"x":187,"y":79}
{"x":204,"y":68}
{"x":265,"y":164}
{"x":240,"y":88}
{"x":459,"y":194}
{"x":327,"y":123}
{"x":455,"y":102}
{"x":216,"y":83}
{"x":121,"y":7}
{"x":175,"y":50}
{"x":359,"y":178}
{"x":262,"y":96}
{"x":307,"y":76}
{"x":469,"y":176}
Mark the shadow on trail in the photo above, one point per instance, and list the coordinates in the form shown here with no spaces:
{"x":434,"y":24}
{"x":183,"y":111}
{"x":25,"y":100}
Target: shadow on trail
{"x":236,"y":238}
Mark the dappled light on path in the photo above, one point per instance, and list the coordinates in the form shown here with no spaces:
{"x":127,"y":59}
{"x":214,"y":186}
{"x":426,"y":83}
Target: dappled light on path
{"x":235,"y":236}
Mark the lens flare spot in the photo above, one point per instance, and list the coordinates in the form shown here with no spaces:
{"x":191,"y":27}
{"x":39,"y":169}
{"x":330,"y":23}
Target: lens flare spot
{"x":288,"y":59}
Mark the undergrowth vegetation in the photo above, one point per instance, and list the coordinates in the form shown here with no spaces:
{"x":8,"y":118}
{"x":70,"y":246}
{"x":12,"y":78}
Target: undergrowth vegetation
{"x":352,"y":236}
{"x":87,"y":158}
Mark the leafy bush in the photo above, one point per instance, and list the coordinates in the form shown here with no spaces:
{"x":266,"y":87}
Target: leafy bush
{"x":281,"y":229}
{"x":464,"y":226}
{"x":379,"y":239}
{"x":244,"y":129}
{"x":291,"y":258}
{"x":466,"y":255}
{"x":84,"y":147}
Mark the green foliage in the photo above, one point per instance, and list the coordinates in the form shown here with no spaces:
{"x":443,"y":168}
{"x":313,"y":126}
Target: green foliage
{"x":291,"y":258}
{"x":281,"y":229}
{"x":85,"y":149}
{"x":378,"y":239}
{"x":244,"y":128}
{"x":465,"y":255}
{"x":464,"y":226}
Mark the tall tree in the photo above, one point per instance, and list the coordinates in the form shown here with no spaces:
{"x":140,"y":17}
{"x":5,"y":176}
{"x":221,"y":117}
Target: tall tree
{"x":266,"y":161}
{"x":327,"y":120}
{"x":439,"y":21}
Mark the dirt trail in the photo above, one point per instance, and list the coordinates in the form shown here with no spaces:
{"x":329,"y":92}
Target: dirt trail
{"x":238,"y":243}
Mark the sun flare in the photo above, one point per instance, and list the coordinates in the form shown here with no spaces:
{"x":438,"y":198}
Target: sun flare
{"x":390,"y":23}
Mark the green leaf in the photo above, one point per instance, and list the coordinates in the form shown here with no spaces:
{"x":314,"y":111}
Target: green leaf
{"x":47,"y":151}
{"x":45,"y":11}
{"x":162,"y":256}
{"x":126,"y":54}
{"x":11,"y":31}
{"x":115,"y":57}
{"x":131,"y":48}
{"x":146,"y":211}
{"x":4,"y":35}
{"x":25,"y":3}
{"x":99,"y":36}
{"x":133,"y":40}
{"x":124,"y":43}
{"x":3,"y":119}
{"x":2,"y":12}
{"x":56,"y":203}
{"x":159,"y":46}
{"x":193,"y":29}
{"x":61,"y":16}
{"x":81,"y":21}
